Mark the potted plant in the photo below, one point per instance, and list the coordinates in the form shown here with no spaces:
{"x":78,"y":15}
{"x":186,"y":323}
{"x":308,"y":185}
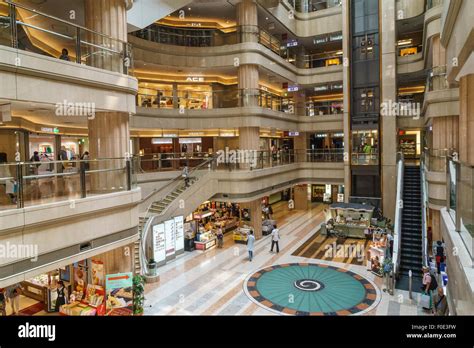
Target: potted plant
{"x":138,"y":294}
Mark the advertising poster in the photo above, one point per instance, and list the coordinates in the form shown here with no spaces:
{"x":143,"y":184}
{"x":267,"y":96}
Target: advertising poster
{"x":97,"y":269}
{"x":170,"y":237}
{"x":119,"y":290}
{"x":159,"y":247}
{"x":179,"y":226}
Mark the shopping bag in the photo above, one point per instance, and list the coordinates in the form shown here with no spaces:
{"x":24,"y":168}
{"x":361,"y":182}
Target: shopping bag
{"x":425,"y":301}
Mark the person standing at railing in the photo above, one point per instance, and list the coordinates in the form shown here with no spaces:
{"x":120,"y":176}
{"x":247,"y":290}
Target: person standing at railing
{"x":10,"y":184}
{"x":85,"y":157}
{"x":64,"y":55}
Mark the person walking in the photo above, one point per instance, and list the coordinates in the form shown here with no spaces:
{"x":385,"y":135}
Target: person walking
{"x":185,"y":175}
{"x":250,"y":244}
{"x":13,"y":296}
{"x":440,"y":304}
{"x":275,"y":239}
{"x":429,"y":283}
{"x":220,"y":238}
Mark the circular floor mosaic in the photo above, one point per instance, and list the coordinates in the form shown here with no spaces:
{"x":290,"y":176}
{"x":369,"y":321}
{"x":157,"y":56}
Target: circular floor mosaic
{"x":311,"y":289}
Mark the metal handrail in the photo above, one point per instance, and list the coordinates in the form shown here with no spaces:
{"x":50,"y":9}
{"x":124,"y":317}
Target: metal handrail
{"x":15,"y":4}
{"x":144,"y":235}
{"x":397,"y":229}
{"x":424,"y":207}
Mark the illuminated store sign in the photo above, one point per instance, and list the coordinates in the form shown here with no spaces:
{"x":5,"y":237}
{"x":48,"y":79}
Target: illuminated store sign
{"x":293,"y":88}
{"x":161,"y":141}
{"x":321,"y":88}
{"x":190,"y":141}
{"x":320,"y":135}
{"x":195,"y":79}
{"x":292,"y":43}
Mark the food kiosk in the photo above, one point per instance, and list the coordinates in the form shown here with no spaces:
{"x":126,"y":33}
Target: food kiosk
{"x":351,"y":219}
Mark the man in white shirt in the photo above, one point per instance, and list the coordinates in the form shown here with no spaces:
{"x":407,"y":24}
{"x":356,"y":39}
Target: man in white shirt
{"x":250,"y":243}
{"x":275,"y":239}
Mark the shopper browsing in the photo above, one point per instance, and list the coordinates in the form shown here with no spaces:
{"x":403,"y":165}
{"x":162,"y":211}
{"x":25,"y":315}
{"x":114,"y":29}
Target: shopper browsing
{"x":275,"y":239}
{"x":250,"y":244}
{"x":13,"y":296}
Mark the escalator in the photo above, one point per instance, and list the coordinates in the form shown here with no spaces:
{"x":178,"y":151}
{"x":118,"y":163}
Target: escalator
{"x":411,"y":230}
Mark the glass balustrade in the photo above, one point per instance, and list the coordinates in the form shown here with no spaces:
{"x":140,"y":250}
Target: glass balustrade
{"x":25,"y":184}
{"x":33,"y":31}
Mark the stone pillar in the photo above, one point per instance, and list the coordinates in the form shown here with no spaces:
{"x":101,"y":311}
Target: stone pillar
{"x":299,"y":100}
{"x":109,"y":131}
{"x":388,"y":124}
{"x":466,"y":119}
{"x":255,"y":209}
{"x":248,"y":79}
{"x":301,"y":197}
{"x":247,"y":19}
{"x":108,"y":17}
{"x":301,"y":147}
{"x":346,"y":100}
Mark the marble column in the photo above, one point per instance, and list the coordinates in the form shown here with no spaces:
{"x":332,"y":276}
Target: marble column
{"x":346,"y":99}
{"x":247,"y":19}
{"x":109,"y":133}
{"x":300,"y":193}
{"x":466,"y":119}
{"x":255,"y":209}
{"x":301,"y":147}
{"x":388,"y":124}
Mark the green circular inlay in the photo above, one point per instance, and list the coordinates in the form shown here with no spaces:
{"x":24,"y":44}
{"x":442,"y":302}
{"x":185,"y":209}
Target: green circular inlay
{"x":310,"y":288}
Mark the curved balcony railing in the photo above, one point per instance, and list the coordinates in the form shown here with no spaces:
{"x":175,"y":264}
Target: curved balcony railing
{"x":160,"y":162}
{"x":307,"y":6}
{"x":232,"y":98}
{"x":229,"y":98}
{"x":433,"y":3}
{"x":24,"y":184}
{"x":31,"y":30}
{"x":196,"y":37}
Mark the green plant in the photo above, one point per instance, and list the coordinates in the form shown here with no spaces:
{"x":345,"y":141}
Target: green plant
{"x":138,"y":294}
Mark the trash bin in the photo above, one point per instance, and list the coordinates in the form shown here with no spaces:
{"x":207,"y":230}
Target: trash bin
{"x":152,"y":268}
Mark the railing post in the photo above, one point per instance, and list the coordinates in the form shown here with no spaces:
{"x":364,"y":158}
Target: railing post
{"x":82,"y":178}
{"x":19,"y":179}
{"x":129,"y":174}
{"x":13,"y":27}
{"x":78,"y":46}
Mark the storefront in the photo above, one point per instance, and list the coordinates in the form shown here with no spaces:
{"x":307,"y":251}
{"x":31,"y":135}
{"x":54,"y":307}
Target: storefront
{"x":320,"y":141}
{"x":81,"y":289}
{"x":409,"y":143}
{"x":327,"y":193}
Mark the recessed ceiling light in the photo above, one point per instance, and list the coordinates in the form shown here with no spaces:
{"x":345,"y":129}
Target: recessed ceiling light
{"x":266,"y":18}
{"x":189,"y":8}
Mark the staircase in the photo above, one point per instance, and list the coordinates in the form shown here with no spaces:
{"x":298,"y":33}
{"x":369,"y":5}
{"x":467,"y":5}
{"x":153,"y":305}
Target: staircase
{"x":156,"y":208}
{"x":411,"y":231}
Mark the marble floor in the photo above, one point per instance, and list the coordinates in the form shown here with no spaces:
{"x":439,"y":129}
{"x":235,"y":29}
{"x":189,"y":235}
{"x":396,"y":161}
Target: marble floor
{"x":212,"y":282}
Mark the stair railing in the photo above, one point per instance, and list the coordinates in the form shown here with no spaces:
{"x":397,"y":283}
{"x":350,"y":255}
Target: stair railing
{"x":424,"y":207}
{"x":397,"y":229}
{"x":150,"y":216}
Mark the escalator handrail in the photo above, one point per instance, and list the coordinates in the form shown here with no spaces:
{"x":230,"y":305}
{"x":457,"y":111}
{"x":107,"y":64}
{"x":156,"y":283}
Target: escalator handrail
{"x":397,"y":230}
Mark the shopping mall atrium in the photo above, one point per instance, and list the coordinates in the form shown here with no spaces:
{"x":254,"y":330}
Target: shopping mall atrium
{"x":236,"y":157}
